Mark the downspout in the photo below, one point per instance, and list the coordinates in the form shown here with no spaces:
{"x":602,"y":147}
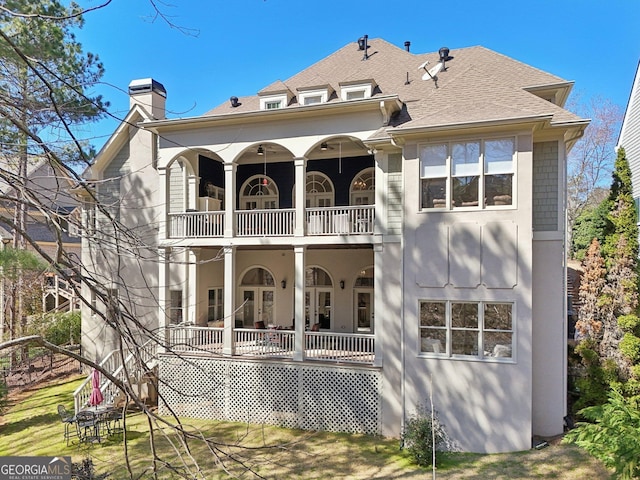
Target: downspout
{"x":402,"y":321}
{"x":565,"y":325}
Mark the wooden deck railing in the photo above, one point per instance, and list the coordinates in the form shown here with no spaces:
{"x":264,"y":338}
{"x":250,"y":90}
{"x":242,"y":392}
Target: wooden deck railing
{"x":270,"y":342}
{"x":196,"y":224}
{"x":339,"y":347}
{"x":194,"y":339}
{"x":351,"y":220}
{"x":356,"y":220}
{"x":263,"y":223}
{"x":250,"y":342}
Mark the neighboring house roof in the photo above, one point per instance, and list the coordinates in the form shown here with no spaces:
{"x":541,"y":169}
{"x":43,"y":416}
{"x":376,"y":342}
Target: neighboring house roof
{"x":485,"y":85}
{"x":52,"y":188}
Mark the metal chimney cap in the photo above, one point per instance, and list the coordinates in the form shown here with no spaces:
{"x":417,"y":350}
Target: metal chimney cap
{"x":146,"y":85}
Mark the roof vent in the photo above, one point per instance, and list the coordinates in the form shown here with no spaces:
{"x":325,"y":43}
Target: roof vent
{"x":444,"y":56}
{"x":234,"y":102}
{"x":362,"y":45}
{"x":407,"y":44}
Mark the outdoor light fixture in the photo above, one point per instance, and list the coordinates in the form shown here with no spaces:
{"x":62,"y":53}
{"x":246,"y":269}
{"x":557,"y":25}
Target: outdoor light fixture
{"x":342,"y":284}
{"x":283,"y":283}
{"x":324,"y":146}
{"x":260,"y":150}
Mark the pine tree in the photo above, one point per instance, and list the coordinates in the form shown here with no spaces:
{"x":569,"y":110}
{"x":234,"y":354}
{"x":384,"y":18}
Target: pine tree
{"x":622,"y":213}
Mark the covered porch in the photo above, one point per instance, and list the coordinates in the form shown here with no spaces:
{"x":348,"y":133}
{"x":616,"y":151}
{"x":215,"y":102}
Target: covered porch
{"x":295,"y":303}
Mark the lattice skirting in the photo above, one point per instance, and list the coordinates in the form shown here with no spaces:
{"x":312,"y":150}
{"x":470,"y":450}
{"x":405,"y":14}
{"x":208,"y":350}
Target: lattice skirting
{"x":310,"y":397}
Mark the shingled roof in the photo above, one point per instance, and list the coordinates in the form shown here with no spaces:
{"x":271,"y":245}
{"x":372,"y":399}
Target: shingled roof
{"x":478,"y":85}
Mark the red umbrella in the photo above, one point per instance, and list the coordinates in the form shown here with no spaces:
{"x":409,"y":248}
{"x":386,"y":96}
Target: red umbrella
{"x":96,"y":395}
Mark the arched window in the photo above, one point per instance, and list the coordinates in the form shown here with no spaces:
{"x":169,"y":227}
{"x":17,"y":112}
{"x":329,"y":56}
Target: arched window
{"x":363,"y":188}
{"x":317,"y":277}
{"x":258,"y":277}
{"x":259,"y":192}
{"x":319,"y":190}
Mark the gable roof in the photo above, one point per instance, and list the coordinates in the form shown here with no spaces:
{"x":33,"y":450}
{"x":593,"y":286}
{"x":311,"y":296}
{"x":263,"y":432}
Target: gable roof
{"x":478,"y":85}
{"x":116,"y":141}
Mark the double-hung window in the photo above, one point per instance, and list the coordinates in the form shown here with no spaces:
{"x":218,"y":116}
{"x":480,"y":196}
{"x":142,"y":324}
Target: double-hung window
{"x":466,"y":329}
{"x":469,"y":174}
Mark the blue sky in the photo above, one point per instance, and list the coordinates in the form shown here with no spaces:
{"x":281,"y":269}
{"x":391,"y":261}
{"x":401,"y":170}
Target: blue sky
{"x":237,"y":47}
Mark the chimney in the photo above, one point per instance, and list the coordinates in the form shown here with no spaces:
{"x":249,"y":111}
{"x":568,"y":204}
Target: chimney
{"x":407,"y":44}
{"x":150,"y":95}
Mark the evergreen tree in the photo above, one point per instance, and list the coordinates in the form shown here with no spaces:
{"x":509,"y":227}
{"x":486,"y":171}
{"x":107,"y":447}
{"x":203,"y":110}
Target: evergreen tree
{"x":622,"y":213}
{"x":592,"y":223}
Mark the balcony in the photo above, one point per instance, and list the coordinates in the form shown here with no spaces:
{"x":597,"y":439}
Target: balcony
{"x":323,"y":221}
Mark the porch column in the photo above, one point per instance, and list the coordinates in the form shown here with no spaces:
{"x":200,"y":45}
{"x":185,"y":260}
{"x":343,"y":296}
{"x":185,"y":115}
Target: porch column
{"x":380,"y":320}
{"x":298,"y":298}
{"x":163,"y":231}
{"x":380,"y":223}
{"x":163,"y":277}
{"x":189,"y":298}
{"x":192,"y":192}
{"x":301,"y":190}
{"x":229,"y":198}
{"x":228,"y":346}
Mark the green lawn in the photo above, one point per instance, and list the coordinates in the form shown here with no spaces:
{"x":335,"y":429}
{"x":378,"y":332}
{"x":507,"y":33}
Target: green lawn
{"x":32,"y":427}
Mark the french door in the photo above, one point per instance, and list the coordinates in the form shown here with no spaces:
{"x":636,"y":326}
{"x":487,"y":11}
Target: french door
{"x":257,"y":306}
{"x":317,"y":306}
{"x":363,"y":315}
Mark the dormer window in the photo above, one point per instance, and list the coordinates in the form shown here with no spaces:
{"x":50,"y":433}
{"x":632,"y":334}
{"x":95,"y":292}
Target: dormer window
{"x":275,"y":97}
{"x":314,"y":95}
{"x":312,"y":100}
{"x":357,"y":90}
{"x":356,"y":94}
{"x":272,"y":104}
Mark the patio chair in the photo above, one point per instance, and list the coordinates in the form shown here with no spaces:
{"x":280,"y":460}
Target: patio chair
{"x":113,"y":419}
{"x":68,"y":420}
{"x":88,"y":427}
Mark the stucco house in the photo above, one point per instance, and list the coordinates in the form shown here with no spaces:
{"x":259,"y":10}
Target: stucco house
{"x":382,"y":227}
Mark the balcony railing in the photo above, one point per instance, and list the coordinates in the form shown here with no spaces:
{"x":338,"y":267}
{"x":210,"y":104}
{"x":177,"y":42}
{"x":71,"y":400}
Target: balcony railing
{"x":263,"y":223}
{"x":273,"y":343}
{"x":352,"y":220}
{"x":194,"y":339}
{"x":356,"y":220}
{"x":196,"y":224}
